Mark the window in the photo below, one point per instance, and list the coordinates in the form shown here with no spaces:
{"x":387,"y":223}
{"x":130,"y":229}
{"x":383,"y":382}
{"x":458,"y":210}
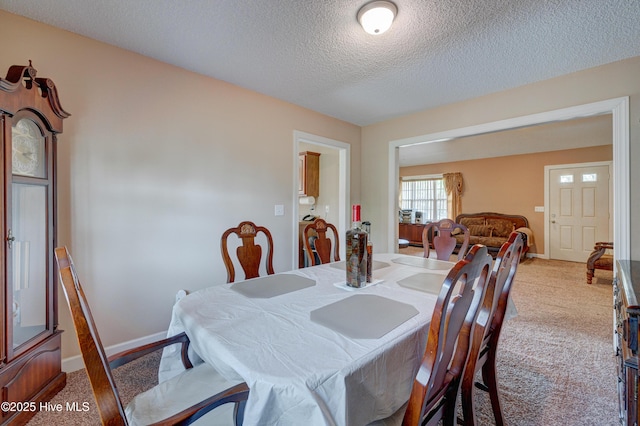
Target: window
{"x":425,"y":195}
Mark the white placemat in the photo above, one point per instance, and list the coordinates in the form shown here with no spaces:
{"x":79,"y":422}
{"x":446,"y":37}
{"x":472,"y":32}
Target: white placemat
{"x":423,"y":262}
{"x":363,"y":316}
{"x":424,"y":281}
{"x":272,"y":285}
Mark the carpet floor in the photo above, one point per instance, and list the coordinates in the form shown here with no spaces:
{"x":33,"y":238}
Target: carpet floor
{"x":556,"y":363}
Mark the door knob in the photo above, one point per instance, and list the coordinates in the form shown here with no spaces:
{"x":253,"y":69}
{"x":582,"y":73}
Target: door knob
{"x":553,"y":221}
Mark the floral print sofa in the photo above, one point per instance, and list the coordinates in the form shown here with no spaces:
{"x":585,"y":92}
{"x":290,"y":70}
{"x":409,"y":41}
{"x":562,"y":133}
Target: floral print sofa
{"x":493,"y":229}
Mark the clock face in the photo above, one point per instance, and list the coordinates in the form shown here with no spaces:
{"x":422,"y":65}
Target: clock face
{"x":27,"y":149}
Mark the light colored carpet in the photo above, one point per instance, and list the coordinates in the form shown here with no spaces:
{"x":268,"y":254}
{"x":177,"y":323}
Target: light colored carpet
{"x":131,"y":379}
{"x":555,"y":360}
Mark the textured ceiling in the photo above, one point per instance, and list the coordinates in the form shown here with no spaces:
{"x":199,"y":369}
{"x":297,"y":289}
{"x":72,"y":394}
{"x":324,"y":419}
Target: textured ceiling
{"x":315,"y":54}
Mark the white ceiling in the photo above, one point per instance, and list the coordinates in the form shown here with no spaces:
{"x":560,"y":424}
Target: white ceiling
{"x":315,"y":54}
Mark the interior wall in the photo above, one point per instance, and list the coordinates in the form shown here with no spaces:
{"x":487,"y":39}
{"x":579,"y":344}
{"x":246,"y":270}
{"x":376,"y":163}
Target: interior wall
{"x":487,"y":190}
{"x":609,"y":81}
{"x":155,"y":163}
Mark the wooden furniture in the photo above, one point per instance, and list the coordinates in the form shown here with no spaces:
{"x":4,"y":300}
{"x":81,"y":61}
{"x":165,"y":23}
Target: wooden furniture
{"x":493,"y":229}
{"x":627,"y":315}
{"x":308,"y":174}
{"x":302,"y":257}
{"x":598,"y":259}
{"x":486,"y":332}
{"x":435,"y":389}
{"x":411,"y":232}
{"x":187,"y":396}
{"x":30,"y":361}
{"x":249,"y":255}
{"x":317,"y":242}
{"x":272,"y":340}
{"x":440,"y":236}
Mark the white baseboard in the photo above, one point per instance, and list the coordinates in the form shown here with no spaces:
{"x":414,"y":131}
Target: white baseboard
{"x":538,"y":255}
{"x":75,"y":363}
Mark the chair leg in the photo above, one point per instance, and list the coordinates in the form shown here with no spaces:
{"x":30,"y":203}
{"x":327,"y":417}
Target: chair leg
{"x":590,"y":273}
{"x":238,"y":412}
{"x":468,"y":405}
{"x":450,"y":407}
{"x":490,"y":380}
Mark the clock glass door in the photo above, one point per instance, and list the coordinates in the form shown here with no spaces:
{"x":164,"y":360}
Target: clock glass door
{"x":29,"y":232}
{"x":28,"y":149}
{"x":29,"y":253}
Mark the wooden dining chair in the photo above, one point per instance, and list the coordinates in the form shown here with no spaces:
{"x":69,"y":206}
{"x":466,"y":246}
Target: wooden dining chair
{"x":435,"y":389}
{"x":486,"y":333}
{"x":440,"y":236}
{"x":249,"y":255}
{"x":180,"y":400}
{"x":316,"y":233}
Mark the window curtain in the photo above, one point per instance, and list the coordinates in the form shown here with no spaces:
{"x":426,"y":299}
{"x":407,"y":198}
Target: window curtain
{"x":453,"y":187}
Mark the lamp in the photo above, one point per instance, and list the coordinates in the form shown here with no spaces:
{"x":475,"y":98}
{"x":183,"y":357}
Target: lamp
{"x":376,"y":17}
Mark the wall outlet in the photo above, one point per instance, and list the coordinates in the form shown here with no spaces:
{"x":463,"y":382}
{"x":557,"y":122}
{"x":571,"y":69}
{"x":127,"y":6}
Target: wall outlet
{"x":279,"y":210}
{"x":538,"y":209}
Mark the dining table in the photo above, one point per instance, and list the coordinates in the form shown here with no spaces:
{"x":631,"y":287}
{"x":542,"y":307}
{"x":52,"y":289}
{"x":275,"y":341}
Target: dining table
{"x":313,"y":350}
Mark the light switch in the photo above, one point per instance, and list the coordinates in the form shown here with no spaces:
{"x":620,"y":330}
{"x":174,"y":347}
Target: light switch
{"x":279,"y":210}
{"x":538,"y":209}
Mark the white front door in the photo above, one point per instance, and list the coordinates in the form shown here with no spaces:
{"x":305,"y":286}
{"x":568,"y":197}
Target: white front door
{"x":579,"y":209}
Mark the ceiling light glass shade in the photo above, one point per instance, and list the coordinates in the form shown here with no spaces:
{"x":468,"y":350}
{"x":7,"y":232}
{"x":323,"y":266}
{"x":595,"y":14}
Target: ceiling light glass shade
{"x":376,"y":17}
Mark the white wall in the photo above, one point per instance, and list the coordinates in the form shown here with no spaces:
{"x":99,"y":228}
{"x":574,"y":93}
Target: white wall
{"x":155,"y":163}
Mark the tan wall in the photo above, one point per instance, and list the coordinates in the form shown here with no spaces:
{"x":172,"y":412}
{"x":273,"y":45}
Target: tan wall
{"x":155,"y":163}
{"x":511,"y":185}
{"x":601,"y":83}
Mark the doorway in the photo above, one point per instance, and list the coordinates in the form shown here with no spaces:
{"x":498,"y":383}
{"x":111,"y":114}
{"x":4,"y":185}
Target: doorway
{"x":579,"y":202}
{"x":333,"y":207}
{"x":619,"y":110}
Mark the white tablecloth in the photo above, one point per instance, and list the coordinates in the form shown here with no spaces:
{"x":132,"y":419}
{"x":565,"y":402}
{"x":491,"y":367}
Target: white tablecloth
{"x":301,"y":372}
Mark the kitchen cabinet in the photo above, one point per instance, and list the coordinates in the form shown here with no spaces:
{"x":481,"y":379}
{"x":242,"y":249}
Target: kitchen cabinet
{"x":30,"y":349}
{"x":309,"y":174}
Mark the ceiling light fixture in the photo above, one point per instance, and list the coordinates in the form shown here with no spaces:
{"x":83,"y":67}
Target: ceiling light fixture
{"x":376,"y":17}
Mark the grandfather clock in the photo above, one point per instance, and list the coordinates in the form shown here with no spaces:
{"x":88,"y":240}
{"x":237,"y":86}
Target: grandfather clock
{"x":30,"y":357}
